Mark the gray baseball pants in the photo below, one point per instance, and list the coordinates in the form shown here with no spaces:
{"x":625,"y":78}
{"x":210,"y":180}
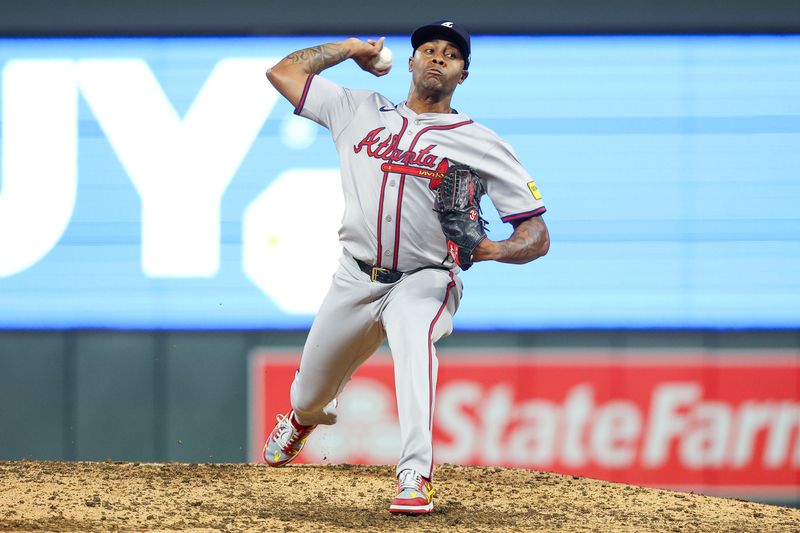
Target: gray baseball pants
{"x":356,"y":316}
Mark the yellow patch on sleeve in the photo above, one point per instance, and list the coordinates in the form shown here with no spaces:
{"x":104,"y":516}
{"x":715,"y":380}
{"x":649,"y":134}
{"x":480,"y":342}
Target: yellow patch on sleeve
{"x":534,"y":190}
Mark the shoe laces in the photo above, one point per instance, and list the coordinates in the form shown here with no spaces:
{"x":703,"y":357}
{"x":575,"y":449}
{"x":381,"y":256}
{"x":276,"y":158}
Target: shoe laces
{"x":410,"y":479}
{"x":288,"y":435}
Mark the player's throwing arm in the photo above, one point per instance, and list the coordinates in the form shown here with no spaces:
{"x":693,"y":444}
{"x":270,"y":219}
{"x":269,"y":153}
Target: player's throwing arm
{"x":290,"y":75}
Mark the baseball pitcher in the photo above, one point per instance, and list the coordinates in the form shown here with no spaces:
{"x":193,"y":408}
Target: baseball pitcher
{"x":413,"y":175}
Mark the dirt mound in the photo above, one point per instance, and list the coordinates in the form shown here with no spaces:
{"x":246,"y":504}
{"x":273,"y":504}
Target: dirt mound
{"x":54,"y":496}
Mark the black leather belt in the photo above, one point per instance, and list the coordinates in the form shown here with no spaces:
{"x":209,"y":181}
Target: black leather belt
{"x":385,"y":275}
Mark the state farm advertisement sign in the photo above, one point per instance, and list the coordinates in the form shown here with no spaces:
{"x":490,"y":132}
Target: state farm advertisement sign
{"x":727,"y":423}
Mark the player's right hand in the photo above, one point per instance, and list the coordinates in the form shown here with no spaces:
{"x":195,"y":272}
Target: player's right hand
{"x":364,"y":54}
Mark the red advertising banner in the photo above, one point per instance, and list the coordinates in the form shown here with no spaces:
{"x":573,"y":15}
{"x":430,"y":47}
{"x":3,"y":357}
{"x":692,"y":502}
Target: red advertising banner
{"x":722,"y":423}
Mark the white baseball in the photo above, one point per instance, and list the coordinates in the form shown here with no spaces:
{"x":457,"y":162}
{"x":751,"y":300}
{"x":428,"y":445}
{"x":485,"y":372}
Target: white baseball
{"x":384,"y":59}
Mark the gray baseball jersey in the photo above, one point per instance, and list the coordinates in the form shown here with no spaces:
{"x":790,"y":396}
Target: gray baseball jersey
{"x":392,"y":161}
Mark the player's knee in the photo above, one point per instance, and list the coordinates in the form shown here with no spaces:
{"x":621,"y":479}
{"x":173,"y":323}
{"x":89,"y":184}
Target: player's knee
{"x":309,"y":403}
{"x":314,"y":413}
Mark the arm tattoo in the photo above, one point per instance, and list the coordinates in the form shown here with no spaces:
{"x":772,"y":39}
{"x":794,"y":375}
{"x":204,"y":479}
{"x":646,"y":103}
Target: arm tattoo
{"x":317,"y":58}
{"x":529,"y":241}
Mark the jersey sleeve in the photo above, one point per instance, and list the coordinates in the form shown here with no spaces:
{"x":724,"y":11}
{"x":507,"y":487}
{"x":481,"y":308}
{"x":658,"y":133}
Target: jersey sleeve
{"x":329,"y":104}
{"x":511,"y":189}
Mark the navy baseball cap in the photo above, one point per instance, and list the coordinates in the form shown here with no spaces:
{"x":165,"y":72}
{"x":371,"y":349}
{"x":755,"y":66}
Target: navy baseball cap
{"x":447,"y":30}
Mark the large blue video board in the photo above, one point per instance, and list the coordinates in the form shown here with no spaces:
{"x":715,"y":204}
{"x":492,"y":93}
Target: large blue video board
{"x":162,"y":183}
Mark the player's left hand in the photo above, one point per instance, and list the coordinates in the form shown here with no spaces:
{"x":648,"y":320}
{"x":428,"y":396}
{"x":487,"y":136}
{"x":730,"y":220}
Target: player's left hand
{"x":458,"y":201}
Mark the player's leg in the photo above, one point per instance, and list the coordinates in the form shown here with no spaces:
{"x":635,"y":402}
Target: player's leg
{"x":418,"y":313}
{"x":344,"y":334}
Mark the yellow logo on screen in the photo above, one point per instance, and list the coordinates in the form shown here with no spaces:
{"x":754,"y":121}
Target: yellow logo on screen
{"x":534,"y":190}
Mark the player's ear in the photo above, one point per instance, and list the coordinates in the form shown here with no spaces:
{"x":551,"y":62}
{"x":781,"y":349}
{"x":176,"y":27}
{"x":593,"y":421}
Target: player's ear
{"x":464,"y":74}
{"x":411,"y":63}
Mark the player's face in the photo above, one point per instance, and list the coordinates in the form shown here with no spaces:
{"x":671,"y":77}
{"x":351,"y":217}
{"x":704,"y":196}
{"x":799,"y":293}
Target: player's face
{"x":437,"y":66}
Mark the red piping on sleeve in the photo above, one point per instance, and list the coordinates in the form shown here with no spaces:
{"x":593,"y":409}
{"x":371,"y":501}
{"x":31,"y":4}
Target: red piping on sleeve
{"x":527,"y":214}
{"x":302,"y":102}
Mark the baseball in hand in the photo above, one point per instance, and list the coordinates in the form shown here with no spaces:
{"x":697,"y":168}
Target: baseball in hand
{"x":384,"y":59}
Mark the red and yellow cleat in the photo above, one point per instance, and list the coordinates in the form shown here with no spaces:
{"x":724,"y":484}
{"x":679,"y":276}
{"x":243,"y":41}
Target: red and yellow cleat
{"x":414,"y":494}
{"x":286,"y":440}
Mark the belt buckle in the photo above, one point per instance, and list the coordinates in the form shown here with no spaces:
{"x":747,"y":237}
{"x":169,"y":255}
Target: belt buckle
{"x":376,"y":271}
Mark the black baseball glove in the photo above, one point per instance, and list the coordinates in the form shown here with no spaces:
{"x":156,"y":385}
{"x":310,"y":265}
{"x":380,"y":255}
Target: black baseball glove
{"x":458,"y":202}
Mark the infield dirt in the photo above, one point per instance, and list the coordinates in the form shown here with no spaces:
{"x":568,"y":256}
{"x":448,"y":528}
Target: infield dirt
{"x":113,"y":496}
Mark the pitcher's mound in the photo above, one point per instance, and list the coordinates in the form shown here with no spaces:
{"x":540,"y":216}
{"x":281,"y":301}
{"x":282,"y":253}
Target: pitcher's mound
{"x":56,"y":496}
